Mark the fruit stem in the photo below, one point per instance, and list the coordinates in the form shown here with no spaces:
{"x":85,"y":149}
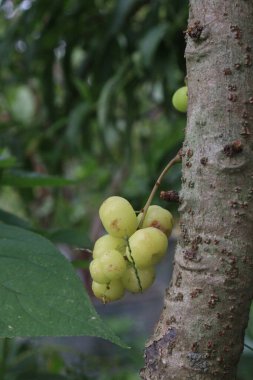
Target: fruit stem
{"x":172,"y":162}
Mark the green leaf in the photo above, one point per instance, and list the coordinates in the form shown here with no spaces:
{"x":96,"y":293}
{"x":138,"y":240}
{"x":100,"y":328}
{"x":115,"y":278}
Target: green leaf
{"x":7,"y":162}
{"x":122,"y":11}
{"x":83,"y":89}
{"x":68,"y":236}
{"x":108,"y":91}
{"x":80,"y":264}
{"x":40,"y":292}
{"x":54,"y":128}
{"x":76,"y":120}
{"x":105,"y":100}
{"x":40,"y":376}
{"x":19,"y":178}
{"x":12,"y":219}
{"x":150,"y":42}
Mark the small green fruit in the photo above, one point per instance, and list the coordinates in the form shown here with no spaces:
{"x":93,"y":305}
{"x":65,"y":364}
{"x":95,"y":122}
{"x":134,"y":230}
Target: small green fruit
{"x":107,"y":243}
{"x":113,"y":264}
{"x":130,"y":280}
{"x":118,"y":217}
{"x":180,"y":99}
{"x":147,"y":247}
{"x":97,"y":272}
{"x":108,"y":292}
{"x":157,"y":217}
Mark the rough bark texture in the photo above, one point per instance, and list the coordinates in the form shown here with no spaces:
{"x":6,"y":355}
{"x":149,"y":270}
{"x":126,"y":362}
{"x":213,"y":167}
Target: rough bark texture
{"x":201,"y":329}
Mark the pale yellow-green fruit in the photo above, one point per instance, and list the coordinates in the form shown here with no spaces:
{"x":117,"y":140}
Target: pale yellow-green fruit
{"x":108,"y":292}
{"x":118,"y":217}
{"x":147,"y":247}
{"x":180,"y":99}
{"x":113,"y":264}
{"x":157,"y":217}
{"x":107,"y":243}
{"x":97,"y":272}
{"x":130,"y":279}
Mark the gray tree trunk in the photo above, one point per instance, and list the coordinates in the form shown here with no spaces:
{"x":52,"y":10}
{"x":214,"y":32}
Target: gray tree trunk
{"x":201,"y":329}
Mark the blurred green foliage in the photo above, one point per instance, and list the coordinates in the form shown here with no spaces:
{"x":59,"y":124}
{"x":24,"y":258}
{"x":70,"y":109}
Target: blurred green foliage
{"x":51,"y":360}
{"x":31,"y":360}
{"x":86,"y":94}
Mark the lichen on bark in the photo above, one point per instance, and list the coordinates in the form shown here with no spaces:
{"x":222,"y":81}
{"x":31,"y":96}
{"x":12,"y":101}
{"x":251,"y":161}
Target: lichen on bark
{"x":201,"y":329}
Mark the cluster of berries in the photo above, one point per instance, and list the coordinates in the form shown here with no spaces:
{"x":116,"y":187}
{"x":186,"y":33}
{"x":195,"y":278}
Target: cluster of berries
{"x":125,"y":258}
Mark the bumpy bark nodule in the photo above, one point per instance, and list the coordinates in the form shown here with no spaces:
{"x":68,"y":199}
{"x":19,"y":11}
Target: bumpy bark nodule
{"x":200,"y":332}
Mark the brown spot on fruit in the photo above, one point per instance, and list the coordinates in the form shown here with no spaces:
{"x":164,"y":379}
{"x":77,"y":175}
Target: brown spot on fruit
{"x":156,"y":224}
{"x":115,"y":224}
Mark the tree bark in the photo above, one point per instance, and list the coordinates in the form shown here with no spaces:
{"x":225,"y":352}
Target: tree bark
{"x":201,"y":330}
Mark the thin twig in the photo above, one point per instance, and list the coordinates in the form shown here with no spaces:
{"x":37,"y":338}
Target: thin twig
{"x":172,"y":162}
{"x":247,"y":346}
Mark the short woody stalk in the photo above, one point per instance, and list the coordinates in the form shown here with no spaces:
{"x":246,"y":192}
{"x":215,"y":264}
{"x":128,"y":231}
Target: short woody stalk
{"x":172,"y":162}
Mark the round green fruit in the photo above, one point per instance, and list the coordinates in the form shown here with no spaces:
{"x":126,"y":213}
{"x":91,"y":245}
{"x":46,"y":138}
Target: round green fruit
{"x":157,"y":217}
{"x":113,"y":264}
{"x":147,"y":247}
{"x":118,"y":217}
{"x":108,"y":292}
{"x":107,"y":243}
{"x":180,"y":99}
{"x":97,"y":272}
{"x":130,"y":280}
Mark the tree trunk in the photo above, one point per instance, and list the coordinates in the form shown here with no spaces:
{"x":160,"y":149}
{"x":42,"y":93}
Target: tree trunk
{"x":201,"y":330}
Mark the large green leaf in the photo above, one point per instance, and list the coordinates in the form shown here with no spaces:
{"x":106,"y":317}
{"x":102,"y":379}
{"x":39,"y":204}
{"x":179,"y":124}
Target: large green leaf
{"x":150,"y":42}
{"x":122,"y":11}
{"x":107,"y":93}
{"x":68,"y":236}
{"x":12,"y":219}
{"x":19,"y":178}
{"x":40,"y":376}
{"x":40,"y":293}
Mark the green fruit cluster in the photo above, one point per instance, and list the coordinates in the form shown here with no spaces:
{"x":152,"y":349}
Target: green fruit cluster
{"x":124,"y":259}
